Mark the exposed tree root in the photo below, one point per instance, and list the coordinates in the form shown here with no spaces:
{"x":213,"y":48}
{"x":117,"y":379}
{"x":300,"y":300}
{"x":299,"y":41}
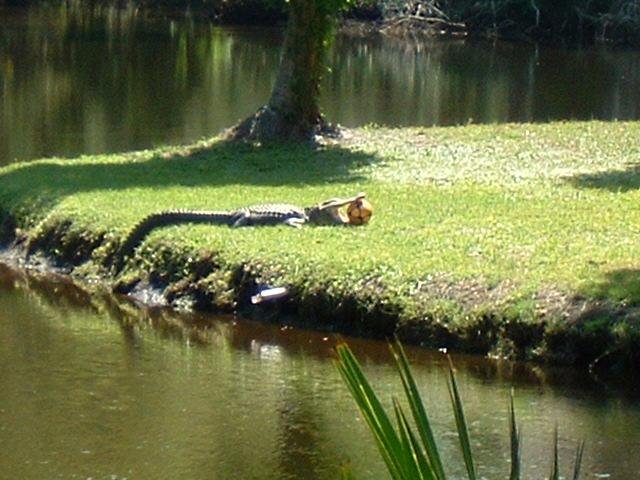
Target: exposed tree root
{"x":268,"y":125}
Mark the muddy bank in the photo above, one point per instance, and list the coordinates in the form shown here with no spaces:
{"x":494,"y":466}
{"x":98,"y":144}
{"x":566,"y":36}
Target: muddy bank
{"x":463,"y":317}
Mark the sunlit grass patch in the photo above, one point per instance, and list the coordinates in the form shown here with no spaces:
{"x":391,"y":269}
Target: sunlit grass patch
{"x":508,"y":155}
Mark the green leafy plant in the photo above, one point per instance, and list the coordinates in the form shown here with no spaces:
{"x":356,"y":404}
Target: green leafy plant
{"x":410,"y":450}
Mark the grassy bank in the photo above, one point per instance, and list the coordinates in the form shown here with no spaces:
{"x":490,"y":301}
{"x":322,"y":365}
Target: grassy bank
{"x":513,"y":239}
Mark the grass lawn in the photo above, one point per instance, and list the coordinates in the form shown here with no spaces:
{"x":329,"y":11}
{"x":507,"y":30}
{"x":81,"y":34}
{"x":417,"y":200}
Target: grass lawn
{"x":532,"y":224}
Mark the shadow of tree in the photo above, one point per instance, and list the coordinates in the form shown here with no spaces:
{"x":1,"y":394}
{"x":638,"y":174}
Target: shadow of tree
{"x":222,"y":163}
{"x":604,"y":324}
{"x":621,"y":285}
{"x":612,"y":180}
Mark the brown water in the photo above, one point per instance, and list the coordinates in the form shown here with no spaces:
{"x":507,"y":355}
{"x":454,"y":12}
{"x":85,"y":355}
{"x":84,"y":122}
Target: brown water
{"x":89,"y":390}
{"x":74,"y":80}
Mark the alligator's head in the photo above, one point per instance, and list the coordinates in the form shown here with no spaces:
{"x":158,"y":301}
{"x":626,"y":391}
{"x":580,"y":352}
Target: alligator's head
{"x":332,"y":211}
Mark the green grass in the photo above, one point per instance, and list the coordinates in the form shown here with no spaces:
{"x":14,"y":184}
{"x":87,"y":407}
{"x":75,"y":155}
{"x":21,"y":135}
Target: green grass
{"x":467,"y":219}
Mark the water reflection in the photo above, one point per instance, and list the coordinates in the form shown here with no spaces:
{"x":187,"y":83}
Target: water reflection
{"x":77,"y":80}
{"x":103,"y":81}
{"x":391,"y":82}
{"x":93,"y":391}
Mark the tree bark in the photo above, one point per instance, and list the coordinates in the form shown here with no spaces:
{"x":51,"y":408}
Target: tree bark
{"x":293,"y":112}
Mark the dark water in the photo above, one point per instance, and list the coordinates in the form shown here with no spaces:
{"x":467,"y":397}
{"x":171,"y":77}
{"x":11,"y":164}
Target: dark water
{"x":74,"y":81}
{"x":89,"y":390}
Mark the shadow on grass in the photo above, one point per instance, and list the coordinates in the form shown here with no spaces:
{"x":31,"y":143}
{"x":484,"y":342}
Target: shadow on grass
{"x":604,"y":328}
{"x":613,"y":180}
{"x":222,"y":163}
{"x":621,"y":285}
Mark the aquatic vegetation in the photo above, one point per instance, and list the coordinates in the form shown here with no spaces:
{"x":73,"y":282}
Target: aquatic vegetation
{"x":410,"y":451}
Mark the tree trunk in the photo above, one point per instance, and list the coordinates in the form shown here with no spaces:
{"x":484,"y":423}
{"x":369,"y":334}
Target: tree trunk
{"x":293,"y":111}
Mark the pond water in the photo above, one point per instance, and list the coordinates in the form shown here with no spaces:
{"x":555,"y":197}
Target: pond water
{"x":90,"y":390}
{"x":74,"y":80}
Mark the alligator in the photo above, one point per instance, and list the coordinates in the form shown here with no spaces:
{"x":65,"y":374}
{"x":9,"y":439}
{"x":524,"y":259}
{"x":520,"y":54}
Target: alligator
{"x":326,"y":213}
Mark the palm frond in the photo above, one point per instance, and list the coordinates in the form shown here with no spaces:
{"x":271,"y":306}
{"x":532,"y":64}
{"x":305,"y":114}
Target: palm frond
{"x":578,"y":462}
{"x":414,"y":459}
{"x":419,"y":411}
{"x":516,"y":439}
{"x":386,"y":438}
{"x":461,"y":424}
{"x":411,"y":455}
{"x":555,"y":471}
{"x":346,"y":473}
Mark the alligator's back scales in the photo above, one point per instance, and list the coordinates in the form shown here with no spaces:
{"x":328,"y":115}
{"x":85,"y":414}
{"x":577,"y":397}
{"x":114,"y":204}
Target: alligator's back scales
{"x":268,"y":214}
{"x":263,"y":214}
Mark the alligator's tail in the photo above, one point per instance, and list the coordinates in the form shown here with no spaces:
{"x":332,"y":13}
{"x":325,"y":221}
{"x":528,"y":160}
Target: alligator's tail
{"x":166,"y":218}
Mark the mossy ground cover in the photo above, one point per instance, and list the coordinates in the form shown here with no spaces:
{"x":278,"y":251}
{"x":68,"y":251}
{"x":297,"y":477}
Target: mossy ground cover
{"x":518,"y":239}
